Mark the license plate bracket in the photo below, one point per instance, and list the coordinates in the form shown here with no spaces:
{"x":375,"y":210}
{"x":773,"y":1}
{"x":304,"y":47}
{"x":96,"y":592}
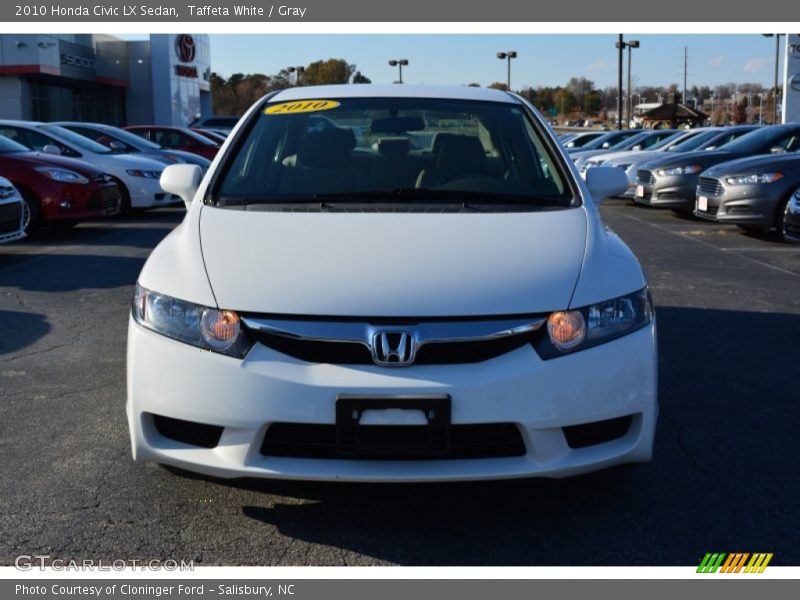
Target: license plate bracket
{"x":393,"y":441}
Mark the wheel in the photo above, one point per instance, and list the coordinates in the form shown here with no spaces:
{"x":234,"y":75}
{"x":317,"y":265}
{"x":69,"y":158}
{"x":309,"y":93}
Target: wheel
{"x":31,"y":212}
{"x":124,"y":198}
{"x":780,"y":219}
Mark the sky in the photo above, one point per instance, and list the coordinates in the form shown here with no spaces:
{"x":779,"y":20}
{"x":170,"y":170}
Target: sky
{"x":546,"y":60}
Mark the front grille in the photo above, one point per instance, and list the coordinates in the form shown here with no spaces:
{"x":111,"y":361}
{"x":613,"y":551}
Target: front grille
{"x":646,"y":177}
{"x":10,"y":215}
{"x":709,"y":186}
{"x":353,"y":353}
{"x":589,"y":434}
{"x":188,"y":432}
{"x":299,"y":440}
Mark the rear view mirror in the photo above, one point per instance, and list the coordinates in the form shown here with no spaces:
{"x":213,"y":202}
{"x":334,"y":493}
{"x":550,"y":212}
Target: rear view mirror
{"x":182,"y":181}
{"x":118,"y":146}
{"x":397,"y":125}
{"x":51,"y":149}
{"x":710,"y":148}
{"x":777,"y":150}
{"x":604,"y":182}
{"x":637,"y":147}
{"x":606,"y":145}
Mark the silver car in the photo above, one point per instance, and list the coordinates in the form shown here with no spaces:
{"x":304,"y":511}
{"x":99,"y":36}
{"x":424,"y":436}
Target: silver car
{"x":750,"y":192}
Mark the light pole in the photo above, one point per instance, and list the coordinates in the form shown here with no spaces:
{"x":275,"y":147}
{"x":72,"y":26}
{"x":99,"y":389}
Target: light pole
{"x":507,"y":56}
{"x":620,"y":47}
{"x":777,"y":37}
{"x":631,"y":45}
{"x":761,"y":109}
{"x":299,"y":71}
{"x":399,"y":63}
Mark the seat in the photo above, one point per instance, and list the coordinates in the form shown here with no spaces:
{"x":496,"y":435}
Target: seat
{"x":323,"y":165}
{"x":456,"y":156}
{"x":393,"y":169}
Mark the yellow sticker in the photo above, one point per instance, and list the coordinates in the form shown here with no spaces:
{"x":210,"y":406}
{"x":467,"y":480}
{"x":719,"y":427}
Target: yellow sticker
{"x":301,"y":106}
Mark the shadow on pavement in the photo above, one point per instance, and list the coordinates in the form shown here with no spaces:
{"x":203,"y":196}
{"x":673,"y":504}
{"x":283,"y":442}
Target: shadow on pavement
{"x":20,"y":329}
{"x":67,"y":272}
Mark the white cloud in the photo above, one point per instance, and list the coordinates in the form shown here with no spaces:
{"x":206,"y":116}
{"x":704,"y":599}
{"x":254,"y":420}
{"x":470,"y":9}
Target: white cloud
{"x":716,"y":61}
{"x":754,"y":65}
{"x":598,"y":65}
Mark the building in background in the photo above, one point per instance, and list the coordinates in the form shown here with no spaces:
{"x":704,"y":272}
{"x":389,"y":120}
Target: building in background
{"x":163,"y":80}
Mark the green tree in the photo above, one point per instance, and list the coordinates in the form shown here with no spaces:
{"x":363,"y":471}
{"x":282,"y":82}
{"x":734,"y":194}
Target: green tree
{"x":359,"y":78}
{"x":498,"y":86}
{"x":331,"y":71}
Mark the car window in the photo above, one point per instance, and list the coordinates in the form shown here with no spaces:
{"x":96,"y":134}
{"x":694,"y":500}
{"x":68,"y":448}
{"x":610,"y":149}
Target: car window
{"x":74,"y":139}
{"x":36,"y":141}
{"x":397,"y":149}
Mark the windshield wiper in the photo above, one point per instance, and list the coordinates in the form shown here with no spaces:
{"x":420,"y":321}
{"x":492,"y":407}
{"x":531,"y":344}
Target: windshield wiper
{"x":456,"y":196}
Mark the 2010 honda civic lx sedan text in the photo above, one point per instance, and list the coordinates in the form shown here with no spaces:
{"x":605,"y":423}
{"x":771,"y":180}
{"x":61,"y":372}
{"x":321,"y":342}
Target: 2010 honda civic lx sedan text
{"x":422,"y":291}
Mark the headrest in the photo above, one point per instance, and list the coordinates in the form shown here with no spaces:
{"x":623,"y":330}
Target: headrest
{"x":461,"y":153}
{"x":327,"y":148}
{"x":394,"y":148}
{"x":438,"y":140}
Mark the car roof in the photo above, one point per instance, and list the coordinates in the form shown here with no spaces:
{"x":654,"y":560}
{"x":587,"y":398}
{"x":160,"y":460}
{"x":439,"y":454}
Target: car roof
{"x":20,"y":123}
{"x":451,"y":92}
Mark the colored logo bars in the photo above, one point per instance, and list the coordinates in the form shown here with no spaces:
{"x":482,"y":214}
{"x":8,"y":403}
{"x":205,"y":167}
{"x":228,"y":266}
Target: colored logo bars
{"x":735,"y":562}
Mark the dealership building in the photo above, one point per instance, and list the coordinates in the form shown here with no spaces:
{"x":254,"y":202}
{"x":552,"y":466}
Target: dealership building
{"x":164,"y":80}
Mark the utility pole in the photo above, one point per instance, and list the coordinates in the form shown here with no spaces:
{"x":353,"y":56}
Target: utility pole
{"x":685,"y":68}
{"x":621,"y":46}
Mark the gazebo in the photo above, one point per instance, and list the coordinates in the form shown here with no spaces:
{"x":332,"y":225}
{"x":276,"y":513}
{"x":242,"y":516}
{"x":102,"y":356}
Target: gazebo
{"x":673,"y":115}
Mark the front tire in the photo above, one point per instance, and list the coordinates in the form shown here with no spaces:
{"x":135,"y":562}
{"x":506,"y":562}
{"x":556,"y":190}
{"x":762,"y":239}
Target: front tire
{"x":124,"y":198}
{"x":780,"y":220}
{"x":31,"y":212}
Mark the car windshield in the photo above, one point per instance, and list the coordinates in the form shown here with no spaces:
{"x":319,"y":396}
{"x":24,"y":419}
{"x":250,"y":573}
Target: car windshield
{"x":761,"y":140}
{"x":8,"y":146}
{"x":113,"y":133}
{"x":81,"y":142}
{"x":671,"y":139}
{"x":694,"y":142}
{"x":393,"y":150}
{"x":611,"y":138}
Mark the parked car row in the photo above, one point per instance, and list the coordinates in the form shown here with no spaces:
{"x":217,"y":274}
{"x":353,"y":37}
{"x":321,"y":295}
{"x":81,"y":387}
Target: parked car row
{"x":745,"y":175}
{"x":56,"y":174}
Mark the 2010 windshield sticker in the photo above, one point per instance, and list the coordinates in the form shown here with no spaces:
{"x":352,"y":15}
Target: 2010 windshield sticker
{"x":304,"y":106}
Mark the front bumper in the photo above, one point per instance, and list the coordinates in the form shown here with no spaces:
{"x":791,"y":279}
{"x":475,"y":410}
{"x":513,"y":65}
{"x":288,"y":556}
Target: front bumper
{"x":147,"y":193}
{"x":667,"y":192}
{"x":791,"y":223}
{"x":171,"y":379}
{"x":11,"y":219}
{"x":748,"y":205}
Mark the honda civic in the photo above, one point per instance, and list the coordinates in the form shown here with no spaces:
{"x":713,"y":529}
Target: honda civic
{"x":434,"y":299}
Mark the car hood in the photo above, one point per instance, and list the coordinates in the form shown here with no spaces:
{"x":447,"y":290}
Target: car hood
{"x":771,"y":162}
{"x":40,"y":159}
{"x":392,"y":264}
{"x":630,"y":156}
{"x":703,"y":158}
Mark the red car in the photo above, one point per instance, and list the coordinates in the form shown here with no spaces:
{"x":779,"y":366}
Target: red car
{"x":57,"y":190}
{"x":177,"y":138}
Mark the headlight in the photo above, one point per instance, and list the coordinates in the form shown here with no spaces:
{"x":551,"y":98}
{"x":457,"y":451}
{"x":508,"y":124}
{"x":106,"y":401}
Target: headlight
{"x":201,"y":326}
{"x":752,"y":178}
{"x":62,"y":175}
{"x":145,"y":174}
{"x":684,"y":170}
{"x":573,"y":330}
{"x":6,"y":191}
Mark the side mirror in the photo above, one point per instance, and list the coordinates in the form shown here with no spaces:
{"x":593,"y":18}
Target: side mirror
{"x":118,"y":146}
{"x":51,"y":149}
{"x":710,"y":148}
{"x":637,"y":147}
{"x":182,"y":181}
{"x":604,"y":182}
{"x":606,"y":145}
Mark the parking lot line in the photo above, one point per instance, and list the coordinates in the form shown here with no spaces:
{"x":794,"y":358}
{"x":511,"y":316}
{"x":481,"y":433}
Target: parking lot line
{"x":705,"y":243}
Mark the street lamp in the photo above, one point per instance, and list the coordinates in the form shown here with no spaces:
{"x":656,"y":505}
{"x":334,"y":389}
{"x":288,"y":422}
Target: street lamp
{"x":400,"y":63}
{"x":621,"y":45}
{"x":299,"y":71}
{"x":507,"y":56}
{"x":777,"y":37}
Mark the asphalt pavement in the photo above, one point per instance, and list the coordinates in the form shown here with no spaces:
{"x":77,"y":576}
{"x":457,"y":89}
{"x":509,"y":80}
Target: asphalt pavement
{"x":724,"y":477}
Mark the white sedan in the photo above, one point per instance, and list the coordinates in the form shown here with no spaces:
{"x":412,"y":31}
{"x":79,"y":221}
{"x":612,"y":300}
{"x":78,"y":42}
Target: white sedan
{"x":365,"y":308}
{"x":138,"y":178}
{"x":11,"y":202}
